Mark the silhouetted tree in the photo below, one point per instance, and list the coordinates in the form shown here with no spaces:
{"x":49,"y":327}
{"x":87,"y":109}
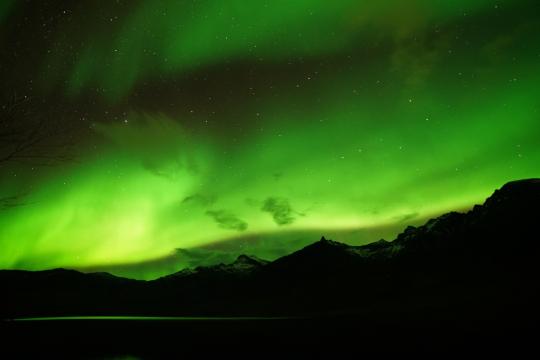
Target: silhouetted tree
{"x":27,"y":137}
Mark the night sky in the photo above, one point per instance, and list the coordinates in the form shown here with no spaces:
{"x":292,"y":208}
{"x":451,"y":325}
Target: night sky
{"x":181,"y":133}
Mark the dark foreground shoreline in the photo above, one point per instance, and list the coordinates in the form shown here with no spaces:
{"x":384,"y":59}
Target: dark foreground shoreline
{"x":119,"y":338}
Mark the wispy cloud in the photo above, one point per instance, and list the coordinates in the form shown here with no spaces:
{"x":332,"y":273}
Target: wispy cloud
{"x":227,"y":220}
{"x":280,"y":209}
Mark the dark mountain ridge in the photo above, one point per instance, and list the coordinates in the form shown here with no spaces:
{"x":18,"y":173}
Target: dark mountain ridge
{"x":480,"y":262}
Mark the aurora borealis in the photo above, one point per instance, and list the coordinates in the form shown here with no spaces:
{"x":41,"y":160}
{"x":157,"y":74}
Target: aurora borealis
{"x":200,"y":130}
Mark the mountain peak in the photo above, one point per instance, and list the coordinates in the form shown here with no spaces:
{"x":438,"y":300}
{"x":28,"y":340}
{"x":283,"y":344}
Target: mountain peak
{"x":249,"y":260}
{"x":324,"y":246}
{"x":326,"y":243}
{"x":518,"y":189}
{"x":532,"y":182}
{"x":519,"y":195}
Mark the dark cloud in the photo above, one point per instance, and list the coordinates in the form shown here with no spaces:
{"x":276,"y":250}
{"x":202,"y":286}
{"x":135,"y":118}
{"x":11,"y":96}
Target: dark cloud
{"x":280,"y":209}
{"x":227,"y":220}
{"x":169,"y":171}
{"x":157,"y":141}
{"x":407,"y":217}
{"x":199,"y":199}
{"x":277,"y":176}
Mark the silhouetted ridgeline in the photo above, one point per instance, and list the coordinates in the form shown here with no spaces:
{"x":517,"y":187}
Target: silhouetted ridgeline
{"x":478,"y":266}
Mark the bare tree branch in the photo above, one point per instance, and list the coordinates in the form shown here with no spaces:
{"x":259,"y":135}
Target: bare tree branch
{"x":27,"y":137}
{"x":8,"y":202}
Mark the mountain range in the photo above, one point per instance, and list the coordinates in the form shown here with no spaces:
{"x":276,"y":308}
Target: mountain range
{"x":481,"y":261}
{"x":462,"y":281}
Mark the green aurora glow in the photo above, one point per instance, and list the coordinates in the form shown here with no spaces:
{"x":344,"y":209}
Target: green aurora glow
{"x":396,"y":115}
